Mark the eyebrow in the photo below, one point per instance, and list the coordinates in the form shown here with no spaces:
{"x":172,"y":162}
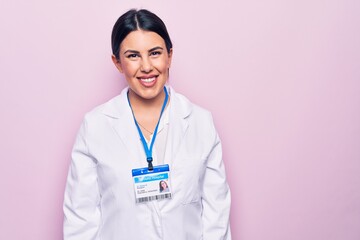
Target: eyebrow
{"x":151,"y":50}
{"x":156,"y":48}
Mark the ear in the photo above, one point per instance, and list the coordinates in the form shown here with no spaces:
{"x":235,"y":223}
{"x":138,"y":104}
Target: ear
{"x":170,"y":57}
{"x":117,"y":63}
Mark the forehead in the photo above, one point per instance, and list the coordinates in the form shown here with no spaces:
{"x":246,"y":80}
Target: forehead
{"x":140,"y":40}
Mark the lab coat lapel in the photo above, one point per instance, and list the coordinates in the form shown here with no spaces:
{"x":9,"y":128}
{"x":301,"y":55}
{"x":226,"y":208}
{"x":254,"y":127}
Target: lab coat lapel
{"x":179,"y":112}
{"x":123,"y":124}
{"x":180,"y":109}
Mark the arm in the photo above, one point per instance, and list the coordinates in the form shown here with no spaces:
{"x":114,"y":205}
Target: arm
{"x":216,"y":197}
{"x":82,"y":197}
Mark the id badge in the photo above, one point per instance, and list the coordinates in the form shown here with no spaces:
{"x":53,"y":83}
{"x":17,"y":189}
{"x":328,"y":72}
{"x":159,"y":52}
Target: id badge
{"x":152,"y":185}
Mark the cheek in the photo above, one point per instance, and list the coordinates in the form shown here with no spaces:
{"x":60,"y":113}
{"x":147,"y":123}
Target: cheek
{"x":162,"y":64}
{"x":130,"y":68}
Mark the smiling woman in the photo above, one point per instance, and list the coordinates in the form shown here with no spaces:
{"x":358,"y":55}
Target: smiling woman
{"x":178,"y":189}
{"x":144,"y":61}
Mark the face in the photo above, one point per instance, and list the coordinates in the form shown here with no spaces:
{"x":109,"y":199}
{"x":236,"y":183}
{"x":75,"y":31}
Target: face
{"x":163,"y":185}
{"x":145,"y":62}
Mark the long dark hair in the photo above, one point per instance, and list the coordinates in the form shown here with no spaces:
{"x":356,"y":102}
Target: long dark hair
{"x":134,"y":20}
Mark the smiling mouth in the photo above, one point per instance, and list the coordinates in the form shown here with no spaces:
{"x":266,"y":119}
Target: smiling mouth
{"x":148,"y":80}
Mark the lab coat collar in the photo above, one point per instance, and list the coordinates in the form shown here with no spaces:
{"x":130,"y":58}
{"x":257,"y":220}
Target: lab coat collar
{"x":119,"y":106}
{"x":119,"y":110}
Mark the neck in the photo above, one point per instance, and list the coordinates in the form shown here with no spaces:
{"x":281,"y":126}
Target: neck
{"x":146,"y":111}
{"x":141,"y":104}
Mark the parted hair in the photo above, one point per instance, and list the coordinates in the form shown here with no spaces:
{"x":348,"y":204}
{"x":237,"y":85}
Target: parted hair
{"x":134,"y":20}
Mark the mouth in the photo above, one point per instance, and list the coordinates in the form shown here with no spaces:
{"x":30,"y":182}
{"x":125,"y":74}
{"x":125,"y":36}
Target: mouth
{"x":148,"y":81}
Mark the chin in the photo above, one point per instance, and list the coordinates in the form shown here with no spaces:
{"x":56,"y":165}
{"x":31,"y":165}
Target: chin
{"x":148,"y":94}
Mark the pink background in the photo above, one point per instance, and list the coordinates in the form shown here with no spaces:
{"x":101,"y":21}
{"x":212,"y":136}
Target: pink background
{"x":282,"y":79}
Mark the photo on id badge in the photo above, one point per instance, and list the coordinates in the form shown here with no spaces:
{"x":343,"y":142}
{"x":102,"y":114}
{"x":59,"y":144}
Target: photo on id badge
{"x":163,"y":186}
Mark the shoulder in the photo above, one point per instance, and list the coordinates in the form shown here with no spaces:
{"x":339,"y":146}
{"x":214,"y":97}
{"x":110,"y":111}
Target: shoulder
{"x":197,"y":116}
{"x":183,"y":104}
{"x":113,"y":108}
{"x":199,"y":125}
{"x":194,"y":110}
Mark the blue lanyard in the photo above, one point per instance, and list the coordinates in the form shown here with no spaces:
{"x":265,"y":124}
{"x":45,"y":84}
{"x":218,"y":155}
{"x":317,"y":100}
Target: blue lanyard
{"x":148,"y":151}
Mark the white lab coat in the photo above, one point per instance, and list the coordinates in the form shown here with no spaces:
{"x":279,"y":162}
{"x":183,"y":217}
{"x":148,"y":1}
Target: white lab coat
{"x":99,"y":199}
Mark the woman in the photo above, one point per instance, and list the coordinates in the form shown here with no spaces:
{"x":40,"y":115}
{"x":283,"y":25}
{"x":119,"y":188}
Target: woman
{"x":163,"y":186}
{"x":107,"y":196}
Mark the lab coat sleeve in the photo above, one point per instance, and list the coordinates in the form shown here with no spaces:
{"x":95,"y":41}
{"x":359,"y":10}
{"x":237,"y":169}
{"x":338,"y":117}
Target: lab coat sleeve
{"x":216,"y":198}
{"x":81,"y":200}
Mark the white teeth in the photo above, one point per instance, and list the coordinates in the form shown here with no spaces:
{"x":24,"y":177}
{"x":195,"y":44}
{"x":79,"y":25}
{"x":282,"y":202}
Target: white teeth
{"x":147,"y":80}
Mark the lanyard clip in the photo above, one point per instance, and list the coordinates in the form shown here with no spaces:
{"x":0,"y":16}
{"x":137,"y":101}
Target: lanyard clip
{"x":150,"y":165}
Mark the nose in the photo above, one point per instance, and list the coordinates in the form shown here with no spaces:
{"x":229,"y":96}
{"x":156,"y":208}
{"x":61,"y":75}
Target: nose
{"x":146,"y":65}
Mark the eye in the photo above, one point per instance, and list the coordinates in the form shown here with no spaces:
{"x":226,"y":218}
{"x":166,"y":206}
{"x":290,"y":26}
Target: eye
{"x":155,"y":53}
{"x":132,"y":56}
